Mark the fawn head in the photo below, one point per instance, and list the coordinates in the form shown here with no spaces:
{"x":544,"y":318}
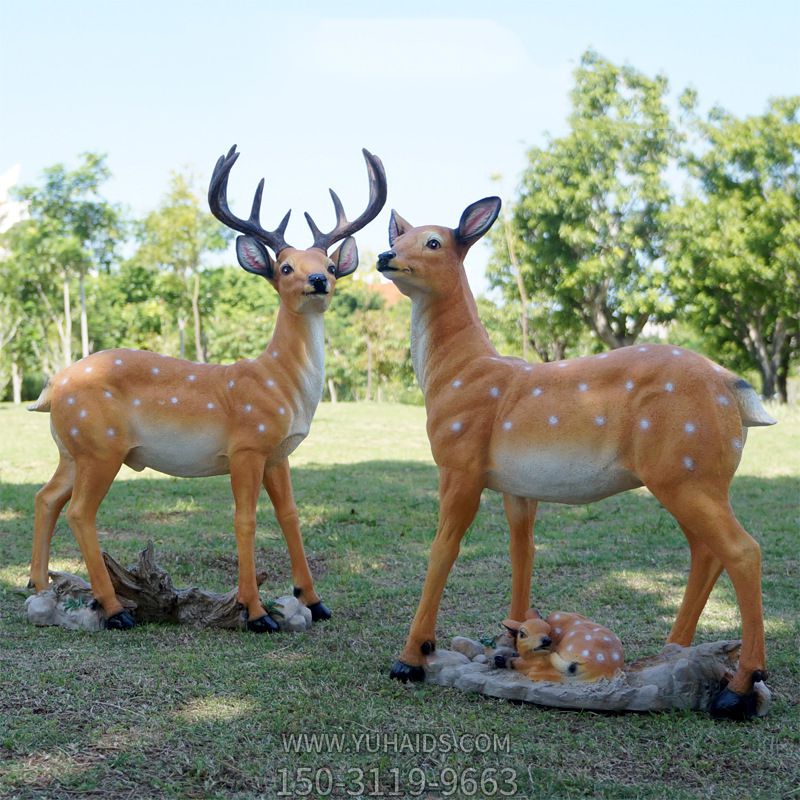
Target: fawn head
{"x":430,"y":259}
{"x":532,"y":636}
{"x":304,"y":279}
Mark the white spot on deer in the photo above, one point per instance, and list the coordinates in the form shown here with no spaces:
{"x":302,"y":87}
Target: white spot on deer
{"x":269,"y":382}
{"x":588,"y":637}
{"x":106,"y":394}
{"x":118,"y":361}
{"x":669,"y":387}
{"x":642,"y":349}
{"x":737,"y":443}
{"x":585,"y":653}
{"x":64,"y":381}
{"x":606,"y":638}
{"x":537,"y":391}
{"x":562,"y":364}
{"x":111,"y":432}
{"x":83,"y":414}
{"x":570,"y":648}
{"x":88,"y":369}
{"x":155,"y":370}
{"x":644,"y":424}
{"x":600,"y":421}
{"x":71,"y":401}
{"x":717,"y":368}
{"x":600,"y":657}
{"x":688,"y":462}
{"x":248,"y":408}
{"x":616,"y":655}
{"x":677,"y":353}
{"x":274,"y":353}
{"x":74,"y":431}
{"x":456,"y":383}
{"x":137,"y":401}
{"x":557,"y":631}
{"x":174,"y":400}
{"x":553,"y":420}
{"x":582,"y":387}
{"x":456,"y":426}
{"x":556,"y":616}
{"x":689,"y":427}
{"x":603,"y":355}
{"x":209,"y":406}
{"x":494,"y":391}
{"x":507,"y":425}
{"x":261,"y":427}
{"x":281,"y":410}
{"x":629,"y":385}
{"x":191,"y":377}
{"x":723,"y":400}
{"x":231,"y":384}
{"x":529,"y":368}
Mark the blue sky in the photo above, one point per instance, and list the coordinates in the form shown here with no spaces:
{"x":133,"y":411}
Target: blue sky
{"x":447,"y":93}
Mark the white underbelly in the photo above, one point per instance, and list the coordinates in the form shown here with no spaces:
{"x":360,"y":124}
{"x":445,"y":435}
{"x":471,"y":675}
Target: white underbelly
{"x":558,"y":475}
{"x":185,"y":454}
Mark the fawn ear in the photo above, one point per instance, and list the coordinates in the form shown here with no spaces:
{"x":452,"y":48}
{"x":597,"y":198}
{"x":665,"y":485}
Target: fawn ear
{"x":477,"y":219}
{"x":512,"y":625}
{"x":397,"y":227}
{"x":532,"y":613}
{"x":253,"y":257}
{"x":345,"y":257}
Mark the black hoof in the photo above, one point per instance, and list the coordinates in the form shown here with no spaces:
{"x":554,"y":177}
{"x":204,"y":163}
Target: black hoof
{"x":500,"y":661}
{"x":319,"y":611}
{"x":122,"y":621}
{"x":732,"y":705}
{"x":427,"y":648}
{"x":405,"y":672}
{"x":263,"y":624}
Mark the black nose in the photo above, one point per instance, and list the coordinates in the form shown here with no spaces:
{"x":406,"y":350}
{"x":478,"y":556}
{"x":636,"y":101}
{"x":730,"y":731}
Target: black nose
{"x":546,"y":641}
{"x":385,"y":258}
{"x":319,"y":282}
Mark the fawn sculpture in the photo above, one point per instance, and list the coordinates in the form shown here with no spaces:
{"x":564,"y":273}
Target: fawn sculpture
{"x":574,"y":431}
{"x":191,"y":420}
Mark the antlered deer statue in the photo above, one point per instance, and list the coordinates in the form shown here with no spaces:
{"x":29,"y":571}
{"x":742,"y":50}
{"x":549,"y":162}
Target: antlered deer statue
{"x":191,"y":420}
{"x":572,"y":431}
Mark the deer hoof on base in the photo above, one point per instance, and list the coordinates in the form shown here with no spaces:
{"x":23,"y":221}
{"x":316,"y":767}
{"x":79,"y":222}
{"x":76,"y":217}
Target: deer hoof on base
{"x":121,"y":621}
{"x":406,"y":673}
{"x":319,"y":611}
{"x":263,"y":624}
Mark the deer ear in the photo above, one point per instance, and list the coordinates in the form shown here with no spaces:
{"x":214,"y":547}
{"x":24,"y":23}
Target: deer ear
{"x":345,"y":257}
{"x":397,"y":227}
{"x":477,"y":219}
{"x":512,"y":625}
{"x":253,"y":257}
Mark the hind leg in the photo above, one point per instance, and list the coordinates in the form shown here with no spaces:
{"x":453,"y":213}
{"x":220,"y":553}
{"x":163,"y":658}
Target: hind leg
{"x":93,"y":478}
{"x":521,"y":514}
{"x":50,"y":499}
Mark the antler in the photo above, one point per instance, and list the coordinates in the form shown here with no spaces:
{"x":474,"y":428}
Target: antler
{"x":343,"y":228}
{"x":218,"y":202}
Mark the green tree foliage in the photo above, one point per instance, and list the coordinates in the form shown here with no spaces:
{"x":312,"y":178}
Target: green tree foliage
{"x":735,"y":245}
{"x":590,"y":220}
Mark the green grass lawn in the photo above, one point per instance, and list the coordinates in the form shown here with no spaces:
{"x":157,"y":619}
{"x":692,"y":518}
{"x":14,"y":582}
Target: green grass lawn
{"x":176,"y":712}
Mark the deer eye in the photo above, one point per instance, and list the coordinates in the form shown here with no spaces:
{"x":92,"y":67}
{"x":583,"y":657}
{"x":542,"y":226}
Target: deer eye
{"x":331,"y":269}
{"x":286,"y":269}
{"x":521,"y":634}
{"x":433,"y":244}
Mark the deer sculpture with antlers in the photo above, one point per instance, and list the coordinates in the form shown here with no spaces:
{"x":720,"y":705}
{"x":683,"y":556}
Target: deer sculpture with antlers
{"x":192,"y":420}
{"x":573,"y":431}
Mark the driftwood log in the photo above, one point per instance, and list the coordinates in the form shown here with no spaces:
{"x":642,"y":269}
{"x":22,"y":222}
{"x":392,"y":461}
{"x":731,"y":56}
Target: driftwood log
{"x":147,"y":591}
{"x":677,"y":678}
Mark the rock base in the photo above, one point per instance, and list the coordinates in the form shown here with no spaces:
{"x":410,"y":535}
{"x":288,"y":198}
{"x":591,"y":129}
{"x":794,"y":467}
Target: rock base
{"x":679,"y":678}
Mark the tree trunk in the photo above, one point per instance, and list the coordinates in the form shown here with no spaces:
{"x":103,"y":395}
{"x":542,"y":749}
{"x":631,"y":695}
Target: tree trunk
{"x":16,"y":382}
{"x":66,"y":332}
{"x":181,"y":336}
{"x":523,"y":295}
{"x":198,"y":337}
{"x":84,"y":317}
{"x":783,"y":369}
{"x":369,"y":369}
{"x":332,"y":391}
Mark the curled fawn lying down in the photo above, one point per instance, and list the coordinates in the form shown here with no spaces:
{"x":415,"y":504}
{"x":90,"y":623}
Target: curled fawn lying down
{"x":564,"y":647}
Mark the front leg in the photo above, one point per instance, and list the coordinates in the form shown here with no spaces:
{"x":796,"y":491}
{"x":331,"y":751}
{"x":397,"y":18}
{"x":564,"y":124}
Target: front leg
{"x":247,"y":468}
{"x":459,"y":497}
{"x":521,"y":514}
{"x":278,"y":483}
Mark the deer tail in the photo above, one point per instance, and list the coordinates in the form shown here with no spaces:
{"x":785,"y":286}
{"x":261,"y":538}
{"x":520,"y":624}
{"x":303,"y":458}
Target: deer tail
{"x":750,"y":407}
{"x":43,"y":403}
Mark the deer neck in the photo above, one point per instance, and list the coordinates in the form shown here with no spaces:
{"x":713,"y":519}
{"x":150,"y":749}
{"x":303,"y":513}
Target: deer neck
{"x":446,"y":333}
{"x":298,"y":346}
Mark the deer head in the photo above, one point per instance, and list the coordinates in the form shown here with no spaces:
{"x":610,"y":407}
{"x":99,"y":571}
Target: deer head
{"x":304,"y":279}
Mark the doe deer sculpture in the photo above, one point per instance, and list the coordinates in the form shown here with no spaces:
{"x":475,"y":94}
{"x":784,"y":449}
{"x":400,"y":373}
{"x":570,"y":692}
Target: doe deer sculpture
{"x":573,"y":431}
{"x":192,"y":420}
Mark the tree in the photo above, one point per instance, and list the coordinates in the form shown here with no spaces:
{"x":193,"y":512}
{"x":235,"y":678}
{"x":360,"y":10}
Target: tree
{"x":178,"y":236}
{"x":77,"y":230}
{"x":590,"y":221}
{"x":735,"y":243}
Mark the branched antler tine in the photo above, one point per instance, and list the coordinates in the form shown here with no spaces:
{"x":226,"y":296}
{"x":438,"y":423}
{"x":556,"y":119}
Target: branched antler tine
{"x":218,"y":203}
{"x":343,"y":228}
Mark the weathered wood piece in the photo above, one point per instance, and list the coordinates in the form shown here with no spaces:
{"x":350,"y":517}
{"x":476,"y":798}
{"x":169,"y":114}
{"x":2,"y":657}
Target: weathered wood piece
{"x":676,"y":678}
{"x":147,"y":591}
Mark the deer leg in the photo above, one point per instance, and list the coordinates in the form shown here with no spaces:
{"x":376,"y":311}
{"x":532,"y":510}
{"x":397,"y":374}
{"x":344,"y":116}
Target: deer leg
{"x":247,"y":470}
{"x":278,"y":483}
{"x":703,"y":573}
{"x":710,"y":518}
{"x":50,"y":499}
{"x":92,"y":481}
{"x":459,"y":497}
{"x":521,"y":514}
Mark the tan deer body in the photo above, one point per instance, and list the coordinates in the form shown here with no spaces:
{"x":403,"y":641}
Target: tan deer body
{"x":574,"y":431}
{"x":193,"y":420}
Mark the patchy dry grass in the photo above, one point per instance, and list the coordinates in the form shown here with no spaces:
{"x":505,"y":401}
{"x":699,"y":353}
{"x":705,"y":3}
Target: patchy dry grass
{"x":167,"y":712}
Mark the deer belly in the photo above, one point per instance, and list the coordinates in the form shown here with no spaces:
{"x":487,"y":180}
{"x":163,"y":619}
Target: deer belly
{"x":179,"y":452}
{"x":558,"y":476}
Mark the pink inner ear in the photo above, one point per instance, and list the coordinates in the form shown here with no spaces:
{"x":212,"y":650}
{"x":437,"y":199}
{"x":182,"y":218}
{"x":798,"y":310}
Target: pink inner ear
{"x":252,"y":255}
{"x":476,"y":221}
